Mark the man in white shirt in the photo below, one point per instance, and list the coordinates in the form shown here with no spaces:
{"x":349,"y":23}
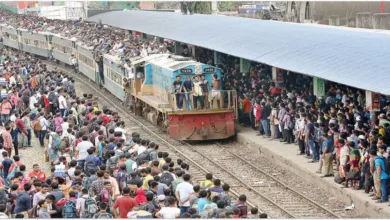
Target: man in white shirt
{"x":33,"y":100}
{"x":170,"y":212}
{"x":183,"y":192}
{"x":63,"y":104}
{"x":81,"y":150}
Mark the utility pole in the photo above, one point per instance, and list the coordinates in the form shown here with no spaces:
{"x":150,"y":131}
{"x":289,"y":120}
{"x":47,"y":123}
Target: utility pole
{"x":382,"y":9}
{"x":214,"y":7}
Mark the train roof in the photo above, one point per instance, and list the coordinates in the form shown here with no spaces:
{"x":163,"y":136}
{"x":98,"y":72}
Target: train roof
{"x":174,"y":62}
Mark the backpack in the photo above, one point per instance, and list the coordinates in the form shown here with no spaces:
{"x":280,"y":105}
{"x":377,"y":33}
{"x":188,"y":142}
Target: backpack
{"x":37,"y":125}
{"x":143,"y":156}
{"x":113,"y":163}
{"x":56,"y":142}
{"x":139,"y":207}
{"x":41,"y":102}
{"x":89,"y":181}
{"x":290,"y":123}
{"x":53,"y":98}
{"x":69,"y":210}
{"x":167,"y":179}
{"x":64,"y":143}
{"x":102,"y":215}
{"x":90,"y":208}
{"x":119,"y":176}
{"x":12,"y":174}
{"x":90,"y":164}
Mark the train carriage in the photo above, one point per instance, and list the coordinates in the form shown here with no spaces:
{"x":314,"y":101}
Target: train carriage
{"x":113,"y":76}
{"x":86,"y":62}
{"x":63,"y":48}
{"x":10,"y":36}
{"x":152,"y":78}
{"x":35,"y":43}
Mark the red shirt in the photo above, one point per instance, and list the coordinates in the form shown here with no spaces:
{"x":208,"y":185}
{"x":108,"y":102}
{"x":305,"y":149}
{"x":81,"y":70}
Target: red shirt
{"x":125,"y":204}
{"x":41,"y":175}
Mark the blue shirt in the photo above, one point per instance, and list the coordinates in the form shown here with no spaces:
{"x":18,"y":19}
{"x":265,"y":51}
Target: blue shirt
{"x":201,"y":203}
{"x":23,"y":202}
{"x":380,"y":161}
{"x":329,"y":144}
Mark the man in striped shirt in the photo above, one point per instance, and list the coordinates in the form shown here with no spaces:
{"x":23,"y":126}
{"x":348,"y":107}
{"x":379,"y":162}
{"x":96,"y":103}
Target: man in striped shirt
{"x":3,"y":81}
{"x":8,"y":145}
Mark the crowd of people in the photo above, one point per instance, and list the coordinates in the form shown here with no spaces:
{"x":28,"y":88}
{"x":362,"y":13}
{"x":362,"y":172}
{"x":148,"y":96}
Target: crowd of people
{"x":97,"y":170}
{"x":336,"y":130}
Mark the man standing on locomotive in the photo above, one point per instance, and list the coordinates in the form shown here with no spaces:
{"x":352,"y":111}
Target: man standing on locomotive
{"x":216,"y":92}
{"x":198,"y":93}
{"x":177,"y":91}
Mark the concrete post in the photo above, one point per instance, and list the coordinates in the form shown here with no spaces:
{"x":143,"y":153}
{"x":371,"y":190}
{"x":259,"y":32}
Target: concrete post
{"x":274,"y":75}
{"x":193,"y":51}
{"x":364,"y":20}
{"x":214,"y":7}
{"x":334,"y":20}
{"x":216,"y":58}
{"x":351,"y":22}
{"x":381,"y":21}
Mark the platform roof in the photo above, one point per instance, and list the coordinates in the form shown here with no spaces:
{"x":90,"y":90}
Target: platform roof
{"x":353,"y":57}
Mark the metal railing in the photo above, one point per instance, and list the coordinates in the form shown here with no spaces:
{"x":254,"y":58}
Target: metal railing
{"x":213,"y":100}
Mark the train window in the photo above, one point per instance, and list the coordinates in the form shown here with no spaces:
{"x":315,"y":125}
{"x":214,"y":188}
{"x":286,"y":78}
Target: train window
{"x":68,"y":50}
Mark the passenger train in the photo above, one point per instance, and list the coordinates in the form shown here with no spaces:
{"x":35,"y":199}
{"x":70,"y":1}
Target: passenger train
{"x":151,"y":87}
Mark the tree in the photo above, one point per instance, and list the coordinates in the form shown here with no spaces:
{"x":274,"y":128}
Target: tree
{"x":227,"y":6}
{"x":202,"y":7}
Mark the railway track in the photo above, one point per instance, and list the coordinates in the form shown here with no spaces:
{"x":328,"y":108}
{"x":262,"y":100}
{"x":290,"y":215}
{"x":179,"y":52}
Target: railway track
{"x":262,"y":189}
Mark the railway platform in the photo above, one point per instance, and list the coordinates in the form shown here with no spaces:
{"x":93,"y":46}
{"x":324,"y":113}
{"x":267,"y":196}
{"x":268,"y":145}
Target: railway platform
{"x":286,"y":156}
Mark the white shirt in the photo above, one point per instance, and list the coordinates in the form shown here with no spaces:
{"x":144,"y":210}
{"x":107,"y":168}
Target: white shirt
{"x":184,"y":189}
{"x":141,"y":149}
{"x":12,"y":118}
{"x":82,"y":148}
{"x":43,"y":122}
{"x":65,"y":126}
{"x":121,"y":130}
{"x":344,"y":155}
{"x":12,"y":80}
{"x":33,"y":100}
{"x":169,"y":212}
{"x":62,"y":101}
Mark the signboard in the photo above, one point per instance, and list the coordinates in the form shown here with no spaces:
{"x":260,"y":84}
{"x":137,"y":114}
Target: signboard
{"x":373,"y":101}
{"x":209,"y":70}
{"x":186,"y":71}
{"x":319,"y":87}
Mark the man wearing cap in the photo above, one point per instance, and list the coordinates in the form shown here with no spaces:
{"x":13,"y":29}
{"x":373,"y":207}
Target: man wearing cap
{"x":383,"y":120}
{"x":380,"y":169}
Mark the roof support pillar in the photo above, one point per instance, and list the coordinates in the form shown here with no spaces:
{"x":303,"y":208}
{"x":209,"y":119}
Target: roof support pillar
{"x":178,"y":48}
{"x":193,"y":51}
{"x":244,"y":65}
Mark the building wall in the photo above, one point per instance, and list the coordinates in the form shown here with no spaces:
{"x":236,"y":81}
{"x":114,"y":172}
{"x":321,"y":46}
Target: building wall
{"x":321,"y":11}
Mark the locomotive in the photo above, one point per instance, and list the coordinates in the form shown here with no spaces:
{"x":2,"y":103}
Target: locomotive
{"x":151,"y":87}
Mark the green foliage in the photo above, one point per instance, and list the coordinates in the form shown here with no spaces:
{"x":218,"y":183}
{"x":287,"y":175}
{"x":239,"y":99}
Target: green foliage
{"x":228,"y":6}
{"x":202,"y":7}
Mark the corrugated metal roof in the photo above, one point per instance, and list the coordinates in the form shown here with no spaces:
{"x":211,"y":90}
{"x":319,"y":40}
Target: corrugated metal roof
{"x":357,"y":58}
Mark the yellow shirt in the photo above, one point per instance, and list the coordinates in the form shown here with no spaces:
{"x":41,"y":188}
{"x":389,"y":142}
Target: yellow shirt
{"x":162,"y":162}
{"x":207,"y":184}
{"x":145,"y":184}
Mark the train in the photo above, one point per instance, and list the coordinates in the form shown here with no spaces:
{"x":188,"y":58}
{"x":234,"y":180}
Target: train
{"x":151,"y":86}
